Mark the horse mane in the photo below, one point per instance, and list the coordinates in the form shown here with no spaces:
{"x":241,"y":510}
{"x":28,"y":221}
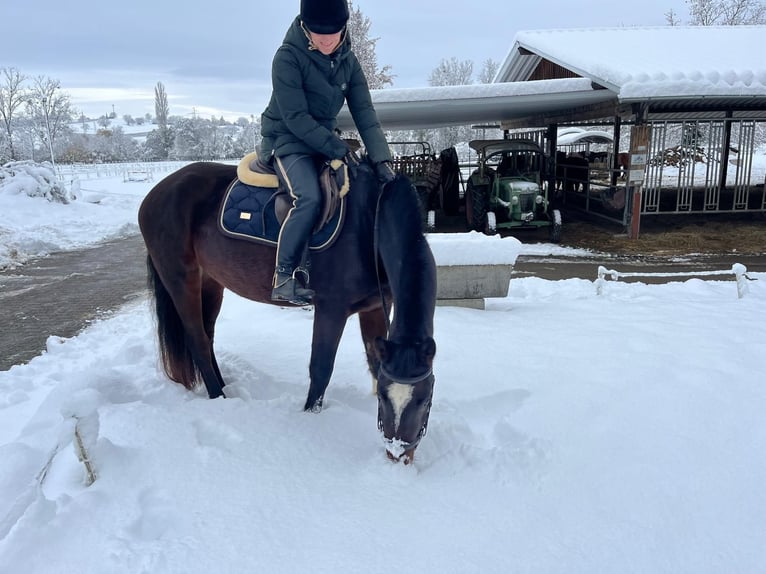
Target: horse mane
{"x":407,"y":260}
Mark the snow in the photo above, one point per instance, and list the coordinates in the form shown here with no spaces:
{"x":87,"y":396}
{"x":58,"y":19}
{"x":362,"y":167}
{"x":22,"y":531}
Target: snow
{"x":570,"y":432}
{"x":440,"y":93}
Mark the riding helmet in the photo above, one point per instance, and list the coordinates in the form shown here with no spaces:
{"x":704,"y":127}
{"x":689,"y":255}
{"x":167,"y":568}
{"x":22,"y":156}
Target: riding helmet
{"x":324,"y":16}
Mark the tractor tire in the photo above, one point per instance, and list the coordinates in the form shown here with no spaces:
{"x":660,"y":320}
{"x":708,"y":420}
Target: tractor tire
{"x":490,"y":225}
{"x":477,"y":202}
{"x":422,"y":193}
{"x":555,"y":231}
{"x":431,"y":221}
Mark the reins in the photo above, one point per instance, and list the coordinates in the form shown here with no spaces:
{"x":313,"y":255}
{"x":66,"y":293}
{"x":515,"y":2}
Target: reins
{"x":376,"y":252}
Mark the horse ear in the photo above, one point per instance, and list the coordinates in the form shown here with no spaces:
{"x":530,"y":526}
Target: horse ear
{"x":429,"y":348}
{"x":381,"y":349}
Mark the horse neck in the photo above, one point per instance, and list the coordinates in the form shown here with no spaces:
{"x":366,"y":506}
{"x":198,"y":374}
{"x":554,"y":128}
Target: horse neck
{"x":409,"y":264}
{"x":413,"y":286}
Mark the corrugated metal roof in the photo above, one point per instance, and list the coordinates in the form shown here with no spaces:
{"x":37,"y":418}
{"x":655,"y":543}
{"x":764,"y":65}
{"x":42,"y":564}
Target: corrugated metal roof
{"x":461,"y":105}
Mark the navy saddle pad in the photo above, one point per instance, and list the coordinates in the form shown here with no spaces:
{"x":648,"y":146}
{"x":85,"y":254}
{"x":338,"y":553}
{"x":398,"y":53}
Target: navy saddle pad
{"x":247,"y":212}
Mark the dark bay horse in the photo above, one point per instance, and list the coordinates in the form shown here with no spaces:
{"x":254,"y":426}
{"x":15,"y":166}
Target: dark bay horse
{"x":380,"y":257}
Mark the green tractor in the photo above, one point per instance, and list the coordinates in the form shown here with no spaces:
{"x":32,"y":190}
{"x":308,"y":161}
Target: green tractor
{"x":509,"y":189}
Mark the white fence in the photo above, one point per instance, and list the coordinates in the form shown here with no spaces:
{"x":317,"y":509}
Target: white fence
{"x":738,"y":270}
{"x":147,"y":170}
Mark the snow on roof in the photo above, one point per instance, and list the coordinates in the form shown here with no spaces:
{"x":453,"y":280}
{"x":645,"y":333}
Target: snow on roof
{"x":646,"y":62}
{"x":472,"y":91}
{"x":583,"y":137}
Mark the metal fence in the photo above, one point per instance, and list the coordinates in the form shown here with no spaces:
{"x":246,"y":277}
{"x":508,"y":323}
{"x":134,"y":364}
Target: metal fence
{"x":703,"y":167}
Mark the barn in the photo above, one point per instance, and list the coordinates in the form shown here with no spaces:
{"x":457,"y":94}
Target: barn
{"x":685,"y":107}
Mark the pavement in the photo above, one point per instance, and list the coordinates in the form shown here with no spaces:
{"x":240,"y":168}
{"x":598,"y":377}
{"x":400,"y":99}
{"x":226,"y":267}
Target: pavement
{"x":63,"y":293}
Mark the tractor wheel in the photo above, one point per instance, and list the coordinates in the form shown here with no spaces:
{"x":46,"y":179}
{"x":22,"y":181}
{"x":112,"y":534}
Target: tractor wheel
{"x":477,"y":198}
{"x":490,"y":225}
{"x":555,"y":232}
{"x":431,"y":221}
{"x":452,"y":201}
{"x":422,"y":192}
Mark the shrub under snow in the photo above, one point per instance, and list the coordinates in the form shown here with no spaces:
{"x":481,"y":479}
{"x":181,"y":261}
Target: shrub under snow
{"x":34,"y":180}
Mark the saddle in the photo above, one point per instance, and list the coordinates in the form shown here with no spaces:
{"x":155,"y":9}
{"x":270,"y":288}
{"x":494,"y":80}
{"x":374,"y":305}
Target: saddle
{"x":255,"y":204}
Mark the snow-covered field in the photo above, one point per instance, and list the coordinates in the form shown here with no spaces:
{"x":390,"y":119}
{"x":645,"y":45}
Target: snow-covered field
{"x":571,"y":432}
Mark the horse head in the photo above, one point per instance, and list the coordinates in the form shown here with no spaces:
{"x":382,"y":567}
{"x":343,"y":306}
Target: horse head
{"x":405,"y":390}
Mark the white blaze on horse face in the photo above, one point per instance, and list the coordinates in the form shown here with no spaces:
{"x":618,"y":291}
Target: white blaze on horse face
{"x":400,"y":396}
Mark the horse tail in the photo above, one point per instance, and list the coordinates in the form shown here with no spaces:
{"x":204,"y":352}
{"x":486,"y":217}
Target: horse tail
{"x":176,"y":359}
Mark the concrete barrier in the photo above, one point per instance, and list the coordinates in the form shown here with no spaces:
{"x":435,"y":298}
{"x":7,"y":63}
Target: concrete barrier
{"x":469,"y":285}
{"x":472,"y":266}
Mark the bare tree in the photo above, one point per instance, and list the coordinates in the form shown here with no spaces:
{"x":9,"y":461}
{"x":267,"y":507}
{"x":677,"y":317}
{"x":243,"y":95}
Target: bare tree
{"x":364,"y":48}
{"x":161,"y":107}
{"x":12,"y":96}
{"x":50,"y":110}
{"x":488,"y":71}
{"x":165,"y":137}
{"x":452,"y":73}
{"x":726,"y":12}
{"x":672,"y":18}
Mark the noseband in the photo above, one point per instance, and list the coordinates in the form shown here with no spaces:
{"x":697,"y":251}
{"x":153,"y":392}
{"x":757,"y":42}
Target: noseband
{"x":409,"y":381}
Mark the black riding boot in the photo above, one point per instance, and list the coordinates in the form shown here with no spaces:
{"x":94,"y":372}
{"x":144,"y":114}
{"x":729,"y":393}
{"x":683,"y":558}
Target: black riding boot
{"x":288,"y":288}
{"x":298,"y":173}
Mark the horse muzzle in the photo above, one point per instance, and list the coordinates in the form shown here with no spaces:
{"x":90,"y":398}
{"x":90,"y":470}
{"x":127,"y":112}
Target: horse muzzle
{"x":399,"y":451}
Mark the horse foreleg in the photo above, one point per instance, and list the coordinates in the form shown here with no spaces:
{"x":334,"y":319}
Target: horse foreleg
{"x":327,"y":332}
{"x":373,"y":325}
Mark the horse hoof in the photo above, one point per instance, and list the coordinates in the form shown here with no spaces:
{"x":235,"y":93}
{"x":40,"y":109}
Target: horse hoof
{"x":315,"y":408}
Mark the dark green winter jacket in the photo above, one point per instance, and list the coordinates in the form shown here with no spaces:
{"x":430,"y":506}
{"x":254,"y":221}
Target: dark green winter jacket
{"x":309,"y":89}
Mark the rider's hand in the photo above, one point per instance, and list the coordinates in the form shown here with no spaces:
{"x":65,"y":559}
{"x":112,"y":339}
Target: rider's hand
{"x":339,"y":149}
{"x":385,"y":172}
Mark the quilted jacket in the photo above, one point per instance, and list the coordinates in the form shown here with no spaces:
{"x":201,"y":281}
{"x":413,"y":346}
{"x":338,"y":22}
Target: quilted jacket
{"x":309,"y":89}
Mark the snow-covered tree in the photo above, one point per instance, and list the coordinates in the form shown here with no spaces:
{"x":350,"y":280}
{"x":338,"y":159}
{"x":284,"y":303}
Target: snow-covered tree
{"x":193,"y":140}
{"x":12,"y":97}
{"x":452,"y":73}
{"x":50,"y":110}
{"x":726,"y":12}
{"x":165,"y":137}
{"x":671,"y":17}
{"x":488,"y":71}
{"x":364,"y":48}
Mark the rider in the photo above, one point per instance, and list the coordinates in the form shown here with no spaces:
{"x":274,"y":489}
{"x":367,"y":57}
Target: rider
{"x":314,"y":71}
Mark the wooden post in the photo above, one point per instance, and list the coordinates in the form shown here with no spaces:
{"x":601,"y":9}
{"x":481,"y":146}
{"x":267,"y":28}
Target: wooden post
{"x":639,"y":150}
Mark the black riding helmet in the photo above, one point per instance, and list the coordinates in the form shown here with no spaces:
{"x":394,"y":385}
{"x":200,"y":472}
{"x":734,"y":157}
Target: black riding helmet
{"x":324,"y":16}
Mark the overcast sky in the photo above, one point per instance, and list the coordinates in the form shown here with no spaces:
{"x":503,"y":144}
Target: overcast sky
{"x":214,"y":58}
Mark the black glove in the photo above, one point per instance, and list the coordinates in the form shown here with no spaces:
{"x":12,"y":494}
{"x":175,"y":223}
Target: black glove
{"x":385,"y":172}
{"x":339,"y":149}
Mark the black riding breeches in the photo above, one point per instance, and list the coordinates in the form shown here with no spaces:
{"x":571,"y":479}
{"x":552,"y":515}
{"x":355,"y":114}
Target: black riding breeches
{"x":298,"y":172}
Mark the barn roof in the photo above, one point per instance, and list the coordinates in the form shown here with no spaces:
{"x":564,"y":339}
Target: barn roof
{"x":677,"y":69}
{"x":641,"y":63}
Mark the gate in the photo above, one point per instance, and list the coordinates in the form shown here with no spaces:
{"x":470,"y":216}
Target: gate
{"x":703,"y":167}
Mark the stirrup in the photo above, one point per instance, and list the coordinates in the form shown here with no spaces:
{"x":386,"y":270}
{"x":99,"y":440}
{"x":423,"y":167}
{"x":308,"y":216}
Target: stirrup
{"x":301,"y":274}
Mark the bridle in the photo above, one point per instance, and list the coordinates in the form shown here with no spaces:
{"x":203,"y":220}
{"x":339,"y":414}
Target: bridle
{"x":409,"y":381}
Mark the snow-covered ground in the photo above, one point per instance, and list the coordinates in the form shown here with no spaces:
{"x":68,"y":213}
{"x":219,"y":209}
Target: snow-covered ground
{"x":571,"y":432}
